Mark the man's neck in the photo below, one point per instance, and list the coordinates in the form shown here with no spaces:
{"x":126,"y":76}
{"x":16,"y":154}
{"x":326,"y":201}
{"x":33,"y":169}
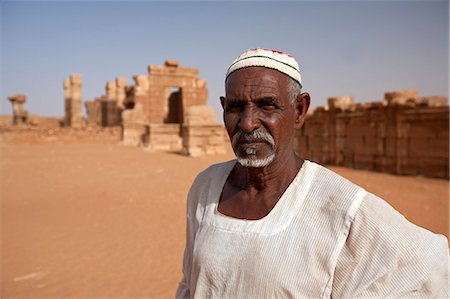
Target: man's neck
{"x":278,"y":174}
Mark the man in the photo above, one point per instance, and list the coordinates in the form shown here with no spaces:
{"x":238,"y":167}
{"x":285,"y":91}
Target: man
{"x":272,"y":225}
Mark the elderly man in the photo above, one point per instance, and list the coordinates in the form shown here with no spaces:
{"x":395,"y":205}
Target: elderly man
{"x":272,"y":225}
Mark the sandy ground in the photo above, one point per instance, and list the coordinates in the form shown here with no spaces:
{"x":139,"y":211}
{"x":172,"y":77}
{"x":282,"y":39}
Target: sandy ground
{"x":92,"y":220}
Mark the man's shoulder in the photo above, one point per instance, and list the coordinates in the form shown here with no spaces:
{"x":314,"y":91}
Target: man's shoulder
{"x":332,"y":189}
{"x":210,"y":178}
{"x":323,"y":175}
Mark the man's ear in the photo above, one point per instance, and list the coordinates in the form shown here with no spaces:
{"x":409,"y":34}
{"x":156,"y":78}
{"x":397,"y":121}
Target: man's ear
{"x":301,"y":107}
{"x":222,"y":101}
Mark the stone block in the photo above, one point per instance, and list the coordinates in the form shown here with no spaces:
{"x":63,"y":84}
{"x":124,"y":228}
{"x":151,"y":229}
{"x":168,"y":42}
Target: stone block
{"x":363,"y":161}
{"x":434,"y":167}
{"x":407,"y":166}
{"x":76,"y":79}
{"x":203,"y":140}
{"x":171,"y":63}
{"x":435,"y":101}
{"x":342,"y":103}
{"x":403,"y":97}
{"x":134,"y":134}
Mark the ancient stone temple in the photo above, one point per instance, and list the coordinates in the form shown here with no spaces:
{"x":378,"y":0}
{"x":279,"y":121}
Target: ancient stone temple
{"x":20,"y":115}
{"x":72,"y":101}
{"x":155,"y":112}
{"x":167,"y":92}
{"x":403,"y":134}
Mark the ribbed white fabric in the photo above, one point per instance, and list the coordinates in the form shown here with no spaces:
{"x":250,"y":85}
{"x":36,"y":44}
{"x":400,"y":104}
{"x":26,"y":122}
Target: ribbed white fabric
{"x":326,"y":237}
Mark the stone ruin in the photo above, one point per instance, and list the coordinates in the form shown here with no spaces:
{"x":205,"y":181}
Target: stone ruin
{"x":73,"y":116}
{"x":200,"y":133}
{"x":163,"y":110}
{"x":403,"y":134}
{"x":20,"y":115}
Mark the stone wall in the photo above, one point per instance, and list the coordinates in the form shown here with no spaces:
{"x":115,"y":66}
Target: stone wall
{"x":163,"y":137}
{"x":153,"y":112}
{"x":404,"y":134}
{"x":171,"y":91}
{"x":201,"y":134}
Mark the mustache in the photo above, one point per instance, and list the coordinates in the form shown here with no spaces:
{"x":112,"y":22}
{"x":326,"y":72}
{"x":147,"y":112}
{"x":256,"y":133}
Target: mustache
{"x":254,"y":136}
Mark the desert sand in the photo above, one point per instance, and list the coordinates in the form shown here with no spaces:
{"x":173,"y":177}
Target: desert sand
{"x":101,"y":220}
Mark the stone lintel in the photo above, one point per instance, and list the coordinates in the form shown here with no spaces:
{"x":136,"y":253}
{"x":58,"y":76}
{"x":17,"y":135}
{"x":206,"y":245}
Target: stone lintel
{"x":171,"y":63}
{"x":18,"y":98}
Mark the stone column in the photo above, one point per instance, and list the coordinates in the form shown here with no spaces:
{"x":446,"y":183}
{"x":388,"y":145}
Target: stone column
{"x":20,"y":115}
{"x":76,"y":107}
{"x":134,"y":128}
{"x":110,"y":91}
{"x":67,"y":99}
{"x":72,"y":100}
{"x":141,"y":91}
{"x":109,"y":105}
{"x":121,"y":84}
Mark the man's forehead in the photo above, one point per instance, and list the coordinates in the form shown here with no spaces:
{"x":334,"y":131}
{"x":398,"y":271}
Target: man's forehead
{"x":256,"y":75}
{"x":256,"y":82}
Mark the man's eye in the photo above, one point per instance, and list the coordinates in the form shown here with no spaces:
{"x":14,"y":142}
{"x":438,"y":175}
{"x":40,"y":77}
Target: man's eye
{"x":267,"y":105}
{"x":230,"y":106}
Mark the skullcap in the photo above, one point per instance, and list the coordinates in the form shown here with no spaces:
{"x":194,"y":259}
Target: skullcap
{"x":272,"y":59}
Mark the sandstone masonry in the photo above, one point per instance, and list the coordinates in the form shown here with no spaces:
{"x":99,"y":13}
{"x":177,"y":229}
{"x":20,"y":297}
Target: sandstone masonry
{"x":72,"y":101}
{"x":163,"y":110}
{"x":403,"y":134}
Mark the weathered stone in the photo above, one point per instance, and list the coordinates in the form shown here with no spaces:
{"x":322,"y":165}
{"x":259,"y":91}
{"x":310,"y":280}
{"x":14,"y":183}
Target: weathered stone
{"x":403,"y":97}
{"x":171,"y":63}
{"x":201,"y":134}
{"x":154,"y":109}
{"x":164,"y":137}
{"x":94,"y":113}
{"x":200,"y":115}
{"x":134,"y":130}
{"x":121,"y":84}
{"x":342,"y":102}
{"x":72,"y":100}
{"x":404,"y":134}
{"x":20,"y":115}
{"x":436,"y":101}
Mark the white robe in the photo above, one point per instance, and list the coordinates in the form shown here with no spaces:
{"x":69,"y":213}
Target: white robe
{"x":325,"y":238}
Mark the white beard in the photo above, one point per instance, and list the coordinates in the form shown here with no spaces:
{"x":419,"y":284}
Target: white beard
{"x":246,"y":162}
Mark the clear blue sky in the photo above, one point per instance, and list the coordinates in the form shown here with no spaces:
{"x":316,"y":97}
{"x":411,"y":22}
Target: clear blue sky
{"x":353,"y":48}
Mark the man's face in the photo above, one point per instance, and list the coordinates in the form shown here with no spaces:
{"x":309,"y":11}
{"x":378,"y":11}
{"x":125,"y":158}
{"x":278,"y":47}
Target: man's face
{"x":258,"y":115}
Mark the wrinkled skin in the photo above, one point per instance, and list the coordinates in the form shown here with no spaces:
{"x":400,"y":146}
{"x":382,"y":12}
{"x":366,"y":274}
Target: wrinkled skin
{"x":257,"y":99}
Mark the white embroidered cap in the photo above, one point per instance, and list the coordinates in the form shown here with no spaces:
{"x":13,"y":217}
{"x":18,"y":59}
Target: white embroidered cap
{"x":272,"y":59}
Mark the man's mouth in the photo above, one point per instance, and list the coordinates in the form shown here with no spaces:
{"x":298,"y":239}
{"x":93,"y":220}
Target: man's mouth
{"x":255,"y":137}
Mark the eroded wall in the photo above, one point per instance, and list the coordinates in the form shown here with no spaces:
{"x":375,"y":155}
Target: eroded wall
{"x":404,"y":134}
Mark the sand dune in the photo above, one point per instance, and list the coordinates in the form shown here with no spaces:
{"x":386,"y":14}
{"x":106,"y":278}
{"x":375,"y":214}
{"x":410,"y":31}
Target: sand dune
{"x":100,"y":220}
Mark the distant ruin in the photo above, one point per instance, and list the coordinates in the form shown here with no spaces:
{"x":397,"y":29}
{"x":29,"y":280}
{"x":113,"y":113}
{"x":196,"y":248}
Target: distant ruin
{"x":73,"y":116}
{"x":161,"y":111}
{"x":20,"y":115}
{"x":403,"y":134}
{"x":166,"y":110}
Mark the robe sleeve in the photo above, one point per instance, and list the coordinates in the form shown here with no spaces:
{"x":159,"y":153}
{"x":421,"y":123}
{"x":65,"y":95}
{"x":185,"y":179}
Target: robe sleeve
{"x":386,"y":256}
{"x":183,"y":291}
{"x":194,"y":211}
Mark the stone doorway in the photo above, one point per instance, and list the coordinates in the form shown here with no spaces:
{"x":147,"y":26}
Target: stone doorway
{"x":174,"y":106}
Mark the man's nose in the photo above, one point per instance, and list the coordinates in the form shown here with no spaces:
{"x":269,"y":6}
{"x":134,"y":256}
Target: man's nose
{"x":248,"y":120}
